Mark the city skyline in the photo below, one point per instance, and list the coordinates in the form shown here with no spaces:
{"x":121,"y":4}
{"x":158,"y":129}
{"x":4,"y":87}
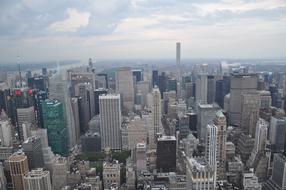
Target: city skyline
{"x":132,"y":29}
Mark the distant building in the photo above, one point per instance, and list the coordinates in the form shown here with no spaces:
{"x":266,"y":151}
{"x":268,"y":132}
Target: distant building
{"x":166,"y":154}
{"x":124,"y":86}
{"x":37,"y":180}
{"x":25,"y":115}
{"x":140,"y":156}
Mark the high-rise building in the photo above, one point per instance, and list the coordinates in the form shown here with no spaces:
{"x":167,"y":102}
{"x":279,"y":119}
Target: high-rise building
{"x":250,"y":181}
{"x":250,"y":111}
{"x":40,"y":96}
{"x":32,"y":148}
{"x":277,"y":134}
{"x":199,"y":174}
{"x":222,"y":89}
{"x":75,"y":110}
{"x":240,"y":83}
{"x":211,"y":89}
{"x":202,"y":89}
{"x":124,"y":86}
{"x":18,"y":165}
{"x":54,"y":122}
{"x":166,"y":154}
{"x":220,"y":123}
{"x":156,"y":113}
{"x":212,"y":148}
{"x":97,"y":93}
{"x":206,"y":114}
{"x":154,"y":78}
{"x":59,"y":176}
{"x":37,"y":179}
{"x":141,"y":158}
{"x":5,"y":131}
{"x":110,"y":121}
{"x":178,"y":61}
{"x":162,"y":83}
{"x":25,"y":115}
{"x":137,"y":75}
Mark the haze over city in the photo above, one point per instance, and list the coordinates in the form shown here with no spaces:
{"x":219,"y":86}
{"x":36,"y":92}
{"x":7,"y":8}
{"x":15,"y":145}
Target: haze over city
{"x":41,"y":30}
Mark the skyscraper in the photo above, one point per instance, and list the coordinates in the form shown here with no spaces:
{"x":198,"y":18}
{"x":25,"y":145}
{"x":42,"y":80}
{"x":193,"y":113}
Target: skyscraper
{"x":240,"y":83}
{"x":202,"y":88}
{"x":178,"y":61}
{"x":37,"y":179}
{"x":277,"y":134}
{"x":212,"y":148}
{"x":18,"y":165}
{"x":156,"y":113}
{"x":5,"y":130}
{"x":250,"y":111}
{"x":124,"y":86}
{"x":220,"y":122}
{"x":25,"y":115}
{"x":54,"y":122}
{"x":110,"y":121}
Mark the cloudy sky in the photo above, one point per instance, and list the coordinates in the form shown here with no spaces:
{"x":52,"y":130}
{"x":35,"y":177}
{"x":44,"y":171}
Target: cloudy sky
{"x":41,"y":30}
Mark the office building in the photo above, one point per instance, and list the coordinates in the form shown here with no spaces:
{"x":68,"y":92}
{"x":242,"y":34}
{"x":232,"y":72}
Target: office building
{"x":240,"y":83}
{"x":162,"y":83}
{"x":202,"y":89}
{"x":211,"y":89}
{"x":54,"y":122}
{"x":154,"y":78}
{"x":37,"y":179}
{"x":75,"y":109}
{"x":156,"y":113}
{"x":143,"y":87}
{"x":59,"y":176}
{"x":18,"y":165}
{"x":124,"y":86}
{"x":140,"y":157}
{"x":110,"y":121}
{"x":277,"y":134}
{"x":25,"y":115}
{"x":178,"y":61}
{"x":97,"y":93}
{"x":222,"y":89}
{"x":278,"y":178}
{"x":212,"y":148}
{"x":199,"y":174}
{"x":137,"y":75}
{"x":250,"y":111}
{"x":206,"y":114}
{"x":32,"y":148}
{"x":220,"y":123}
{"x":166,"y":154}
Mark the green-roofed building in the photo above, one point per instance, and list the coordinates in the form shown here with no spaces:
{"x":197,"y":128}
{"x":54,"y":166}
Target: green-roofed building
{"x":55,"y":123}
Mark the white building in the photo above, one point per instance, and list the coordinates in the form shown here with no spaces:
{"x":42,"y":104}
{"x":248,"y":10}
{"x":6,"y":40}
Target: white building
{"x":5,"y":133}
{"x":37,"y":179}
{"x":111,"y":175}
{"x":199,"y":174}
{"x":124,"y":86}
{"x":110,"y":121}
{"x":25,"y":116}
{"x":156,"y":113}
{"x":212,"y":148}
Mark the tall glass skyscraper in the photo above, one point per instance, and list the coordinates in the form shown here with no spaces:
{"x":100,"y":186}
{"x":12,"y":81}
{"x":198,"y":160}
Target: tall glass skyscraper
{"x":54,"y":122}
